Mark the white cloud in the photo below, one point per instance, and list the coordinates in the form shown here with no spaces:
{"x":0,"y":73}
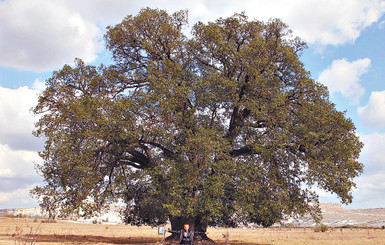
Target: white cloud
{"x":369,"y":189}
{"x":16,"y":120}
{"x":371,"y":184}
{"x":18,"y":198}
{"x":333,"y":22}
{"x":17,"y":164}
{"x":6,"y":172}
{"x":344,"y":77}
{"x":373,"y":154}
{"x":42,"y":35}
{"x":38,"y":85}
{"x":321,"y":22}
{"x":18,"y":147}
{"x":17,"y":177}
{"x":373,"y":114}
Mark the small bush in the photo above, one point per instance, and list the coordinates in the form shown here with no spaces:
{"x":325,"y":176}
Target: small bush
{"x":321,"y":228}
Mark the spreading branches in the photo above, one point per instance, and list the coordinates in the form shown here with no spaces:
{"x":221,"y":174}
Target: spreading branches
{"x":221,"y":128}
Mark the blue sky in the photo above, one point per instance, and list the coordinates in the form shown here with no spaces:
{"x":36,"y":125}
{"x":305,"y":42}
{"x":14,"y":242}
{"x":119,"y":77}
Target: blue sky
{"x":345,"y":53}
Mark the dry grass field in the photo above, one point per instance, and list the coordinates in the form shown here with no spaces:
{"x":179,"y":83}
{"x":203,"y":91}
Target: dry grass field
{"x":28,"y":231}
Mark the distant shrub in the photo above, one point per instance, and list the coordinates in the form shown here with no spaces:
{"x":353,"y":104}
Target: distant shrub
{"x":321,"y":228}
{"x":48,"y":221}
{"x":358,"y":226}
{"x":288,"y":225}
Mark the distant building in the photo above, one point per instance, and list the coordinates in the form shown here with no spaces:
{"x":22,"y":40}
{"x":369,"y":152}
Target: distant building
{"x":3,"y":213}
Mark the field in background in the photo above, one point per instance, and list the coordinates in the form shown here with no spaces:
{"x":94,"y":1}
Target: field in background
{"x":29,"y":231}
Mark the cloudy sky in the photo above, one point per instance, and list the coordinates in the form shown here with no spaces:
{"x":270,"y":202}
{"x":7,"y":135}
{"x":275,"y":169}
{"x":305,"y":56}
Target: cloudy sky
{"x":346,"y":52}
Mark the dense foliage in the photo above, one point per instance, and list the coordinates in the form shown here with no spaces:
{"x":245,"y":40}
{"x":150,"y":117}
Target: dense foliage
{"x":221,"y":127}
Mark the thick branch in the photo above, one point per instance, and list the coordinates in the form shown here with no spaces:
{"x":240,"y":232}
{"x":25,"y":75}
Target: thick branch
{"x":166,"y":151}
{"x":236,"y":122}
{"x":127,"y":161}
{"x":247,"y":150}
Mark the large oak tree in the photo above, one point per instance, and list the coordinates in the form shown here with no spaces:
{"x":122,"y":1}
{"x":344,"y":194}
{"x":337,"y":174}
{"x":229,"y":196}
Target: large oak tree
{"x":219,"y":127}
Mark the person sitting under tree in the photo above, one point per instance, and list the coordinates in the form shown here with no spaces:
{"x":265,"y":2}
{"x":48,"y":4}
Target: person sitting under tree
{"x":187,"y":235}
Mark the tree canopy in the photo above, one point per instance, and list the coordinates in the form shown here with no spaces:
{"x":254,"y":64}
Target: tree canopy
{"x":218,"y":127}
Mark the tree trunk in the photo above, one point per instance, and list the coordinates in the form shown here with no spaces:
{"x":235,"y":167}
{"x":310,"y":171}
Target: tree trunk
{"x":201,"y":226}
{"x":177,"y":224}
{"x":196,"y":224}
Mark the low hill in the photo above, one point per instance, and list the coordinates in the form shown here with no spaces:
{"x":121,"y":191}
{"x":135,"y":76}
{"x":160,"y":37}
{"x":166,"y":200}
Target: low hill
{"x":336,"y":215}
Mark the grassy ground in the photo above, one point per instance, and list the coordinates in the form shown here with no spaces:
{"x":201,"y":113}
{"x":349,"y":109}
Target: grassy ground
{"x":27,"y":231}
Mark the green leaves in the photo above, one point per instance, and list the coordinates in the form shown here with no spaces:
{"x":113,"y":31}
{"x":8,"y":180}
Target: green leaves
{"x":222,"y":128}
